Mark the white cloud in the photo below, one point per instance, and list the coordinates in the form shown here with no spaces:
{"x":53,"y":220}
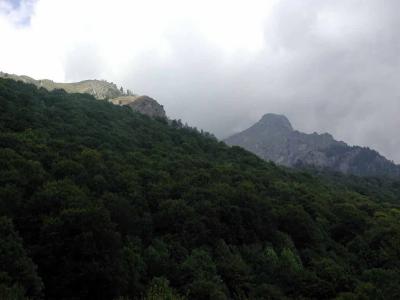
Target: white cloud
{"x":118,"y":32}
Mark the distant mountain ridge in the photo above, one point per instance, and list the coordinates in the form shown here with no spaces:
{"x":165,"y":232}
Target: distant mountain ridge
{"x":273,"y":138}
{"x":101,"y":90}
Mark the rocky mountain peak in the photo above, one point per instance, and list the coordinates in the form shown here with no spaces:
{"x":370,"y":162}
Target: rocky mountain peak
{"x":143,"y":104}
{"x":100,"y":89}
{"x":273,"y":138}
{"x":275,"y":122}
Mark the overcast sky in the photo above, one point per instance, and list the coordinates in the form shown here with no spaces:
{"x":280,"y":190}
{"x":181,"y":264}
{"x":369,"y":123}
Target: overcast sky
{"x":328,"y":65}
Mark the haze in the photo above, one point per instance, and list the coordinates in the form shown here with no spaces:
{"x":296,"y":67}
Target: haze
{"x":329,"y":66}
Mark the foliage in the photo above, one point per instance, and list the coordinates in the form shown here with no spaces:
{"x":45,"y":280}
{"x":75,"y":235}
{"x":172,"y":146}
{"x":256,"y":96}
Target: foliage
{"x":100,"y":202}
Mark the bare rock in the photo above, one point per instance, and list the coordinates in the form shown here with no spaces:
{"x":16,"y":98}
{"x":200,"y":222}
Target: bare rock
{"x":143,"y":104}
{"x":274,"y":139}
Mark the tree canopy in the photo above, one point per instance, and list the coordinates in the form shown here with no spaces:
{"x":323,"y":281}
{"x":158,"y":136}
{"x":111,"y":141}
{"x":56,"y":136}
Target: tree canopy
{"x":100,"y":202}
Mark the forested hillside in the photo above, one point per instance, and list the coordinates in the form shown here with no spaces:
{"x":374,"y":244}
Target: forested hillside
{"x":100,"y":202}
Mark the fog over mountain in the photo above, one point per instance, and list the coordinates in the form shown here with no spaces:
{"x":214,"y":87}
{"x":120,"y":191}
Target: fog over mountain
{"x":274,"y":139}
{"x":329,"y":66}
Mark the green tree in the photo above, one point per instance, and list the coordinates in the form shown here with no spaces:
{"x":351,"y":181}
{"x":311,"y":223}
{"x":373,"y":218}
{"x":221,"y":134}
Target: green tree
{"x":18,"y":274}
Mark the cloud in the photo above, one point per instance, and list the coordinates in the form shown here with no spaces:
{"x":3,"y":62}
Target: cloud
{"x":17,"y":12}
{"x":219,"y":65}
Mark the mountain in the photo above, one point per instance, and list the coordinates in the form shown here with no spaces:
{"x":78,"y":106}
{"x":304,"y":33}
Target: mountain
{"x":273,"y":138}
{"x":143,"y":104}
{"x":101,"y":90}
{"x":100,"y":202}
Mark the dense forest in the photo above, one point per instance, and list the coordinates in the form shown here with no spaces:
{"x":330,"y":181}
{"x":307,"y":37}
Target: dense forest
{"x":100,"y":202}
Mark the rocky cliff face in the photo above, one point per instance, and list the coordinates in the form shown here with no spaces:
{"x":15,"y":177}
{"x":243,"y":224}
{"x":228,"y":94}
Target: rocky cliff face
{"x":273,"y":138}
{"x":101,"y":90}
{"x":143,"y":104}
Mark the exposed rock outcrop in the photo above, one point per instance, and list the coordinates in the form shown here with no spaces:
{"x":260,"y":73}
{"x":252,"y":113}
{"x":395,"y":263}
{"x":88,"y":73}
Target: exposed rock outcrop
{"x":143,"y":104}
{"x":273,"y":138}
{"x":101,"y":90}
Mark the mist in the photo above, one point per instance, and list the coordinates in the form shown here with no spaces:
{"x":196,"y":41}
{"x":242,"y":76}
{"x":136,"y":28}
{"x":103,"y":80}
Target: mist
{"x":329,"y":66}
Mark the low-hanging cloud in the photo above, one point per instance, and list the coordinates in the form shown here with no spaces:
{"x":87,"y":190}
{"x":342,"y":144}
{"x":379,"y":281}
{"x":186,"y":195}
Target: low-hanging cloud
{"x":329,"y":65}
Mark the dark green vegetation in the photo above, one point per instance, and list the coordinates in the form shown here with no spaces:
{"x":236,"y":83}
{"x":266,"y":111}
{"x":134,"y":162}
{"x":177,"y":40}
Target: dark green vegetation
{"x":99,"y":202}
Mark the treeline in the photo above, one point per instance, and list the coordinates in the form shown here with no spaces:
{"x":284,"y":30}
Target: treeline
{"x":99,"y":202}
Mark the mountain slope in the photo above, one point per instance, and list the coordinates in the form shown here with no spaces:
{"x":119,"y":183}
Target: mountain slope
{"x":100,"y":202}
{"x":273,"y":138}
{"x":101,"y":90}
{"x":143,"y":104}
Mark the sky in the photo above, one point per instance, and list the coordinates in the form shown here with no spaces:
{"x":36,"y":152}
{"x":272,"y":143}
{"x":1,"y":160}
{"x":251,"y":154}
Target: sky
{"x":328,"y":65}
